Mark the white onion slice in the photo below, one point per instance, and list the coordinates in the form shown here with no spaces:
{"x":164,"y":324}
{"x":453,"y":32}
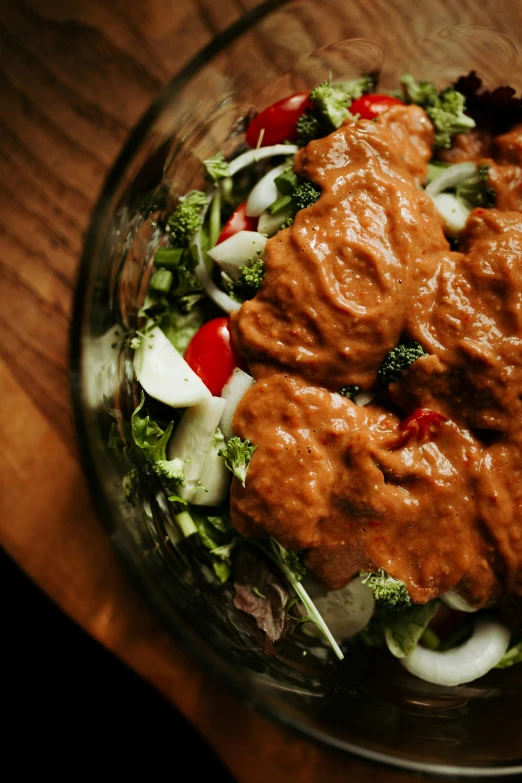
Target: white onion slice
{"x":270,"y":224}
{"x":264,"y":192}
{"x":192,"y":440}
{"x":218,"y":296}
{"x":233,"y":391}
{"x":164,"y":373}
{"x":346,"y":611}
{"x":465,"y":663}
{"x":453,"y":211}
{"x":238,"y":250}
{"x":363,"y":397}
{"x":450,"y":178}
{"x":455,"y":601}
{"x":252,"y":156}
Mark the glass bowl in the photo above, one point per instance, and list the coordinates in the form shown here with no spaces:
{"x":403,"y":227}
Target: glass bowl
{"x":368,"y":706}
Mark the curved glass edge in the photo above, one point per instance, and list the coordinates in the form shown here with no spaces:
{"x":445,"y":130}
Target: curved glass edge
{"x":195,"y":644}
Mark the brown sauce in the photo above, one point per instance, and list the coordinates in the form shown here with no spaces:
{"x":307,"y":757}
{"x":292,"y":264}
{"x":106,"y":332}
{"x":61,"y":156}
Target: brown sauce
{"x":362,"y":269}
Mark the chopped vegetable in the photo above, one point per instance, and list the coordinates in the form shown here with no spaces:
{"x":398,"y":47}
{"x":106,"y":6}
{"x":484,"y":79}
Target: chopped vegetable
{"x":368,"y":107}
{"x":277,"y":123}
{"x":180,"y":327}
{"x":387,"y":591}
{"x":214,"y":482}
{"x":237,"y":454}
{"x":250,"y":279}
{"x":346,"y":611}
{"x":349,"y":391}
{"x":398,"y":360}
{"x":476,"y":191}
{"x":402,"y":630}
{"x":170,"y":469}
{"x":421,"y":424}
{"x":211,"y":356}
{"x":219,"y":537}
{"x":511,"y":657}
{"x":450,"y":177}
{"x":296,"y":194}
{"x":238,"y":250}
{"x":239,"y":221}
{"x":233,"y":391}
{"x":471,"y":660}
{"x":148,"y":436}
{"x":331,"y":100}
{"x":309,"y":127}
{"x":164,"y":373}
{"x":180,"y":265}
{"x":293,"y":571}
{"x":453,"y":211}
{"x":161,"y":281}
{"x":196,"y":443}
{"x":264,"y":192}
{"x":306,"y":194}
{"x":261,"y":594}
{"x":216,"y":168}
{"x":255,"y":155}
{"x":445,"y":109}
{"x":187,"y":218}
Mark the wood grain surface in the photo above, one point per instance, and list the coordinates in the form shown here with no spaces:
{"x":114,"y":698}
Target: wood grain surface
{"x":75,"y":77}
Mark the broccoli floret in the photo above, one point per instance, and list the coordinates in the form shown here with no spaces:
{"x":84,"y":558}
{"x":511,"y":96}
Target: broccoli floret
{"x":296,"y":194}
{"x":293,"y":561}
{"x":388,"y":592}
{"x":445,"y":109}
{"x":333,"y":99}
{"x":476,"y":191}
{"x":216,"y":168}
{"x":419,"y":91}
{"x":237,"y":454}
{"x":349,"y":391}
{"x":171,"y":469}
{"x":305,"y":195}
{"x":250,"y":279}
{"x":399,"y":359}
{"x":187,"y":218}
{"x":309,"y":127}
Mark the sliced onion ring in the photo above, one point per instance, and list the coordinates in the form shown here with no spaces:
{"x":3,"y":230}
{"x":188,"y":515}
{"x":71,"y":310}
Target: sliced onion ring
{"x":465,"y":663}
{"x":455,"y":601}
{"x":450,"y":178}
{"x":264,"y":192}
{"x":252,"y":156}
{"x":218,"y":296}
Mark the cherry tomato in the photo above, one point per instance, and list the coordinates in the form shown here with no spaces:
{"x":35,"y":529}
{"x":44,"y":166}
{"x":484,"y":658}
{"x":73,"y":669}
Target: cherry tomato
{"x":238,"y":221}
{"x":278,"y":121}
{"x":368,"y":107}
{"x":420,"y":424}
{"x":211,"y":355}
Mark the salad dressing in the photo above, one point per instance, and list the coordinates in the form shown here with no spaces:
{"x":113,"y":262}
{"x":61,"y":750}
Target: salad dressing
{"x":363,"y":268}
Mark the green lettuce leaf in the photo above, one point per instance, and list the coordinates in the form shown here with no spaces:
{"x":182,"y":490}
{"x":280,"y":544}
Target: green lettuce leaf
{"x":512,"y":656}
{"x":404,"y":629}
{"x":148,"y":436}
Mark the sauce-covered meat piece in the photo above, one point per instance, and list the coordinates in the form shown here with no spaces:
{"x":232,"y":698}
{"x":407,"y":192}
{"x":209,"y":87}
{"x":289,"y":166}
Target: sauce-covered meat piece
{"x":327,"y":476}
{"x":365,"y":267}
{"x":338,"y":283}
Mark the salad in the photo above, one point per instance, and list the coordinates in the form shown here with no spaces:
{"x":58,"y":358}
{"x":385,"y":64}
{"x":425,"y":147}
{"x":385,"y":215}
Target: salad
{"x":333,"y":331}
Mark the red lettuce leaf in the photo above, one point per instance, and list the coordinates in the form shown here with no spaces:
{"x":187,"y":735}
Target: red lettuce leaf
{"x":261,"y":594}
{"x":497,"y":110}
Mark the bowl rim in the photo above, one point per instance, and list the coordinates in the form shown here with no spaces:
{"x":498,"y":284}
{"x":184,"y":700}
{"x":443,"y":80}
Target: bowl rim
{"x":176,"y":624}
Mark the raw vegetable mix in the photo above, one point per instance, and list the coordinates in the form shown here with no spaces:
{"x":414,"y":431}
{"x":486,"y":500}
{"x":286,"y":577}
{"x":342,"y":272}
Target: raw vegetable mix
{"x":330,"y":342}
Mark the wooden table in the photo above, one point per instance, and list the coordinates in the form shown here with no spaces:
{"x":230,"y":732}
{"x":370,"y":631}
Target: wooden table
{"x":77,"y":75}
